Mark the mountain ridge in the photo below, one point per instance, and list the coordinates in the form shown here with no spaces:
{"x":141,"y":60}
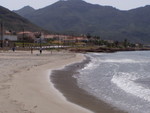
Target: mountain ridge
{"x":25,"y":10}
{"x":15,"y":22}
{"x":80,"y":17}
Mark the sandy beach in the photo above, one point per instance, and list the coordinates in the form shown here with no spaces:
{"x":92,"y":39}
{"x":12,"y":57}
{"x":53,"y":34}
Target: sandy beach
{"x":25,"y":86}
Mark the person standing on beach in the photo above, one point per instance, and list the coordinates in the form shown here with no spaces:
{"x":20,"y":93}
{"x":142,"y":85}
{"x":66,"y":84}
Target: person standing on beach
{"x":31,"y":50}
{"x":14,"y":47}
{"x":40,"y":50}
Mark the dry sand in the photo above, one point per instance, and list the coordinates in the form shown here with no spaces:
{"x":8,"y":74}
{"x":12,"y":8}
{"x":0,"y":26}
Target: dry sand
{"x":25,"y":86}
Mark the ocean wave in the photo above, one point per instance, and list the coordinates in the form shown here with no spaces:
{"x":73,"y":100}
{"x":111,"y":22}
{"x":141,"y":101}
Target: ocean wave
{"x":126,"y":81}
{"x":120,"y":79}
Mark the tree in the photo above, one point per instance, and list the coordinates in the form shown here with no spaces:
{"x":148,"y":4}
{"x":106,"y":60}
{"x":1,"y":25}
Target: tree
{"x":37,"y":35}
{"x":116,"y":44}
{"x":88,"y":36}
{"x":125,"y":43}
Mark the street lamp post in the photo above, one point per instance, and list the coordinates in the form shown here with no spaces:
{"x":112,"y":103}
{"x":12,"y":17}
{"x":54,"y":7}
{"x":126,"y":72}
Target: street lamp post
{"x":23,"y":38}
{"x":38,"y":36}
{"x":1,"y":34}
{"x":40,"y":43}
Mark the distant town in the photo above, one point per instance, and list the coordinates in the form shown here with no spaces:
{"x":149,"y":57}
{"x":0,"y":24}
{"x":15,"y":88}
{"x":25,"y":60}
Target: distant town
{"x":28,"y":40}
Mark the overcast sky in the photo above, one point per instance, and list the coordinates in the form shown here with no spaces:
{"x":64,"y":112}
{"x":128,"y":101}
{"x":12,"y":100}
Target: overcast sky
{"x":119,"y":4}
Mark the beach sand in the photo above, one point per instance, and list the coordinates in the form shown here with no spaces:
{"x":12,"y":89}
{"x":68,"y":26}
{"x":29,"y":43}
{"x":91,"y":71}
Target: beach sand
{"x":25,"y":86}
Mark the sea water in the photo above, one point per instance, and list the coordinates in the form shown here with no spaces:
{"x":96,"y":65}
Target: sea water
{"x":121,"y":79}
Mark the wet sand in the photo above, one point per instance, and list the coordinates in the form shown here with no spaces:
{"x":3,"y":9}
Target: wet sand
{"x":66,"y":84}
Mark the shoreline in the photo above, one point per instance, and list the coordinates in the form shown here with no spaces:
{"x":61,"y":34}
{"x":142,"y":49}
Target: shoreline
{"x":107,"y":50}
{"x":63,"y":80}
{"x":28,"y":89}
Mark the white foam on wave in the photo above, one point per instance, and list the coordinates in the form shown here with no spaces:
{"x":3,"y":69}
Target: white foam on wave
{"x":125,"y":81}
{"x":122,"y":61}
{"x":92,"y":65}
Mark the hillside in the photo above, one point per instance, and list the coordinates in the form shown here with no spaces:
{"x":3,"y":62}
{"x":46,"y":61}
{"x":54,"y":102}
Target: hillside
{"x":79,"y":17}
{"x":25,"y":11}
{"x":15,"y":22}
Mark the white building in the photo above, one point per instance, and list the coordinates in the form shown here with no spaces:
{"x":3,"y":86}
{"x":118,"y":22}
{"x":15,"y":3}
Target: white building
{"x":10,"y":37}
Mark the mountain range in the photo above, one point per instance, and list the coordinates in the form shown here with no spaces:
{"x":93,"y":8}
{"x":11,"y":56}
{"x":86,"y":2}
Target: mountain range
{"x":79,"y":17}
{"x":14,"y":22}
